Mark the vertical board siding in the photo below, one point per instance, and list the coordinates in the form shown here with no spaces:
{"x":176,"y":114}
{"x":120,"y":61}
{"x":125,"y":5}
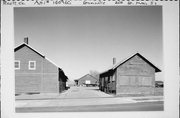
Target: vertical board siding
{"x":43,"y":79}
{"x":50,"y":78}
{"x":135,"y":77}
{"x":48,"y":67}
{"x":24,"y":55}
{"x":124,"y":90}
{"x":136,"y":66}
{"x":27,"y":84}
{"x":50,"y":83}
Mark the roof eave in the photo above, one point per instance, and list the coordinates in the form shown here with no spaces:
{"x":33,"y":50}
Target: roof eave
{"x":24,"y":44}
{"x":157,"y":70}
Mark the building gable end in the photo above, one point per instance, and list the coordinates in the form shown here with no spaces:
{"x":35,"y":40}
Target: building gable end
{"x":137,"y":54}
{"x":25,"y":45}
{"x":86,"y":76}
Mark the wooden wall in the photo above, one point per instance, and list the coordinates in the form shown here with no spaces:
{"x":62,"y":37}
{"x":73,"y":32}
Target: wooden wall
{"x":135,"y":77}
{"x":43,"y":79}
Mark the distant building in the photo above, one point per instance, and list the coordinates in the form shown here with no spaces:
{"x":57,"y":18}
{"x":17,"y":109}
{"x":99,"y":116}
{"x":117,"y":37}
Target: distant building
{"x":70,"y":83}
{"x":135,"y":75}
{"x":34,"y":73}
{"x":87,"y":80}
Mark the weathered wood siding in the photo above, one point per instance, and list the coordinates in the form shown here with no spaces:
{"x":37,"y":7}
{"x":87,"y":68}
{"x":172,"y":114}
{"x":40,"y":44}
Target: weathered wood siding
{"x":43,"y":79}
{"x":50,"y":83}
{"x":25,"y":55}
{"x":50,"y":80}
{"x":27,"y":83}
{"x":135,"y":77}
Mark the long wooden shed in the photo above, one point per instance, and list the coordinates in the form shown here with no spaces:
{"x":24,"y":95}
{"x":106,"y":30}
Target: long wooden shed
{"x":135,"y":75}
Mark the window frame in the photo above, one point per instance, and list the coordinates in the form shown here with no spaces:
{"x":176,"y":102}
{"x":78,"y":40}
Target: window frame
{"x":29,"y":65}
{"x":19,"y":64}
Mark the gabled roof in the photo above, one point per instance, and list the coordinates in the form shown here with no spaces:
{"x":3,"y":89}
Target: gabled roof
{"x":43,"y":56}
{"x":125,"y":60}
{"x":86,"y":75}
{"x":23,"y":45}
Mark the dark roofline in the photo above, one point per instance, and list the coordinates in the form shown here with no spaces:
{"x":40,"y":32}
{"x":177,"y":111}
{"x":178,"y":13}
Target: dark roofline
{"x":22,"y":45}
{"x":119,"y":64}
{"x":86,"y":75}
{"x":156,"y":68}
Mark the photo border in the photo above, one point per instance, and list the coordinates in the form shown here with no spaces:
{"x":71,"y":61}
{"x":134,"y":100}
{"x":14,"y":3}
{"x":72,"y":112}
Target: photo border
{"x":170,"y":18}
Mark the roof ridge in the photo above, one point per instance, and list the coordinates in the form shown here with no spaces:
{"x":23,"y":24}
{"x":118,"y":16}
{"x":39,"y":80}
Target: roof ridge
{"x":116,"y":64}
{"x":36,"y":52}
{"x":128,"y":58}
{"x":92,"y":76}
{"x":86,"y":75}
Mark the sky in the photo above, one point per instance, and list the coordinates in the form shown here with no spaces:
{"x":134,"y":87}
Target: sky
{"x":81,"y":39}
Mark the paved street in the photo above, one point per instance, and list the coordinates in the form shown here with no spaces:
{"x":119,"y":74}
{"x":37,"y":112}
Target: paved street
{"x":86,"y":99}
{"x":145,"y":106}
{"x":72,"y":93}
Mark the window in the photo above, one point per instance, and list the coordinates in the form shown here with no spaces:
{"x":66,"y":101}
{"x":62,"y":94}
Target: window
{"x":87,"y":82}
{"x":17,"y":64}
{"x":32,"y":65}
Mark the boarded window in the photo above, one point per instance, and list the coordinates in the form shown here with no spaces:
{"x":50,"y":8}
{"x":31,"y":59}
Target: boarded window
{"x":124,"y":80}
{"x":132,"y":81}
{"x":32,"y":65}
{"x":128,"y":80}
{"x":146,"y":81}
{"x":17,"y":64}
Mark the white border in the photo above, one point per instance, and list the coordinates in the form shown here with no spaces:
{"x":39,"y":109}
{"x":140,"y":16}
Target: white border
{"x":29,"y":66}
{"x":171,"y":70}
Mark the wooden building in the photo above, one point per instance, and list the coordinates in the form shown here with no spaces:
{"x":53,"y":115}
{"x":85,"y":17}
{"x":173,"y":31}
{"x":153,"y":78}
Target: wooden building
{"x":87,"y":80}
{"x":135,"y":75}
{"x":34,"y":73}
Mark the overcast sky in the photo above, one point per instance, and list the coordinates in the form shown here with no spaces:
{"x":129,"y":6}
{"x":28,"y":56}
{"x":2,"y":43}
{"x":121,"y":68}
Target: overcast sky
{"x":80,"y":39}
